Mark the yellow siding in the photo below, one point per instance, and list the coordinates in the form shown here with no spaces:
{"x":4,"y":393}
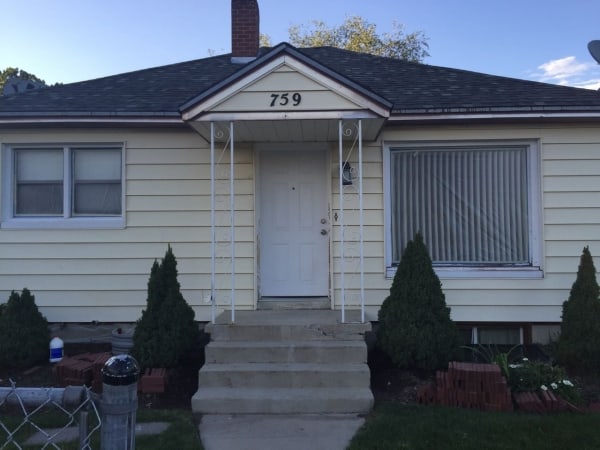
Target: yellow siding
{"x":84,"y":275}
{"x":313,"y":95}
{"x":570,"y":177}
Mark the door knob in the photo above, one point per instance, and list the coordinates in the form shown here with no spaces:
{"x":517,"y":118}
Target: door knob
{"x":323,"y":232}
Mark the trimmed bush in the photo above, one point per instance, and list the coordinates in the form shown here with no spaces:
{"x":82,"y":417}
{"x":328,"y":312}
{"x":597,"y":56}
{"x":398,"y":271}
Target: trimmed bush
{"x":415,"y":328}
{"x":24,"y":332}
{"x":579,"y":342}
{"x":166,"y":333}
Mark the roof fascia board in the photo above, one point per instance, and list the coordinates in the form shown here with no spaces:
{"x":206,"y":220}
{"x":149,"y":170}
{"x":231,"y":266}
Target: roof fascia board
{"x":452,"y":116}
{"x":293,"y":115}
{"x":89,"y":120}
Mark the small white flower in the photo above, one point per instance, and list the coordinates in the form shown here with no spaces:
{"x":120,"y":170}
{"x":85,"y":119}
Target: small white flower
{"x":543,"y":387}
{"x":554,"y":386}
{"x":514,"y":366}
{"x":525,"y":359}
{"x":567,"y":383}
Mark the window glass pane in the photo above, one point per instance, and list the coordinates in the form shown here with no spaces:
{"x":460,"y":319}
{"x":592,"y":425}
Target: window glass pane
{"x":39,"y":182}
{"x":97,"y":198}
{"x":39,"y":199}
{"x":39,"y":165}
{"x":97,"y":181}
{"x":470,"y":203}
{"x":499,"y":336}
{"x":97,"y":164}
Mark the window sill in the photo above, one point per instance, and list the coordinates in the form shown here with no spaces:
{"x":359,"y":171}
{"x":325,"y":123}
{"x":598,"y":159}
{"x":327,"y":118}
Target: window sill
{"x":481,"y":272}
{"x":93,"y":223}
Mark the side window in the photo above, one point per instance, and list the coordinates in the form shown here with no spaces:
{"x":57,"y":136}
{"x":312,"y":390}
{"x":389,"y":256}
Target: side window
{"x":62,"y":186}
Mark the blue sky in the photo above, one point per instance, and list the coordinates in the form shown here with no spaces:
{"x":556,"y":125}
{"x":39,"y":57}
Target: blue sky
{"x":73,"y":40}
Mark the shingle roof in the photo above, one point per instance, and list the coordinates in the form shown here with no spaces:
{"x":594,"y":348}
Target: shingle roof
{"x":412,"y":88}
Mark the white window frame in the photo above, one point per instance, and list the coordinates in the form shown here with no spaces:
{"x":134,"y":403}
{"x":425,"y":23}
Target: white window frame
{"x":67,"y":220}
{"x":533,"y":270}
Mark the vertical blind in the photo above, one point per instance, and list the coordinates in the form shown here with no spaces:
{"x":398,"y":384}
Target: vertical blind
{"x":469,"y":203}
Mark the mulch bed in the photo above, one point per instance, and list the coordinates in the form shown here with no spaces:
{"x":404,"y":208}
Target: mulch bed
{"x":388,"y":383}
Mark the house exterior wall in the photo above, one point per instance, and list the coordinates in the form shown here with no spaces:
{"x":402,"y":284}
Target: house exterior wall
{"x":570,"y":196}
{"x":92,"y":274}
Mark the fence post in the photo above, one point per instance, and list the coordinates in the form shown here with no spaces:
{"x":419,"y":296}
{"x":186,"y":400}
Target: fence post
{"x":119,"y":403}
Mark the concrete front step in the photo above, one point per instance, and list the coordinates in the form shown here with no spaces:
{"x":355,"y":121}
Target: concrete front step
{"x":277,"y":303}
{"x":283,"y":375}
{"x":285,"y":362}
{"x":328,"y":351}
{"x":282,"y":400}
{"x":288,"y":325}
{"x":286,"y":332}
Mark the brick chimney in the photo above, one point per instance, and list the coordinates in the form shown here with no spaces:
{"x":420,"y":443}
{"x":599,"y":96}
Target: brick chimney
{"x":244,"y":30}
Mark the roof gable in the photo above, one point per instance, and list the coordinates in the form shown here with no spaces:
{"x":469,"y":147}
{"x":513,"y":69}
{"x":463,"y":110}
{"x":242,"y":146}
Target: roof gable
{"x":285,"y":81}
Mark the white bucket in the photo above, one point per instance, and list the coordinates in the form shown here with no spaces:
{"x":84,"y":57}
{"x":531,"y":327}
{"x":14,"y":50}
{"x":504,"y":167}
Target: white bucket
{"x":56,"y":349}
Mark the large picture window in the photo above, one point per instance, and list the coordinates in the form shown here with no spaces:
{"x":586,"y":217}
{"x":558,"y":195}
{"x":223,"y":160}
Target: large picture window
{"x":474,"y":204}
{"x":56,"y":185}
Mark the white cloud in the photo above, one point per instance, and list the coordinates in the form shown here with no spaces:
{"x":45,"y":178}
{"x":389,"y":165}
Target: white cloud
{"x":569,"y":72}
{"x":563,"y":68}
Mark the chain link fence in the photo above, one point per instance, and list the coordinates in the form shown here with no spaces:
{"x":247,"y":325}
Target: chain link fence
{"x":54,"y":418}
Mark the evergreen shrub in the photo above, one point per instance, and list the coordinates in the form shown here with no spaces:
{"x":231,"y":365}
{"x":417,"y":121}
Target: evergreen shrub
{"x":415,"y":328}
{"x":166,"y":333}
{"x":24,"y":332}
{"x":578,"y":346}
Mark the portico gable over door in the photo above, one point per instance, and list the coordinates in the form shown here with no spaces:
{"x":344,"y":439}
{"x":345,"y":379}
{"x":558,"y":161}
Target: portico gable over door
{"x":281,"y":100}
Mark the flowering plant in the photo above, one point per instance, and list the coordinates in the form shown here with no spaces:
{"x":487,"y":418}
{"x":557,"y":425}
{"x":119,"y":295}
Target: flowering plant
{"x":528,"y":376}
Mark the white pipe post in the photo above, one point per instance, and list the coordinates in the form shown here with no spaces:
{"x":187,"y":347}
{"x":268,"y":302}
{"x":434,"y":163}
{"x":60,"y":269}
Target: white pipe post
{"x":341,"y":200}
{"x":232,"y":218}
{"x":361,"y":223}
{"x":212,"y":222}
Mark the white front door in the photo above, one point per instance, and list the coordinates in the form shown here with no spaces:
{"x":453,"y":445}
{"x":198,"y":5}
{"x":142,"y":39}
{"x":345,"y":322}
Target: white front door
{"x":294,"y":224}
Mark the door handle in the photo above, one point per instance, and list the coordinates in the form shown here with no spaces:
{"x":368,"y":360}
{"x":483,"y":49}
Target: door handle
{"x":323,"y":231}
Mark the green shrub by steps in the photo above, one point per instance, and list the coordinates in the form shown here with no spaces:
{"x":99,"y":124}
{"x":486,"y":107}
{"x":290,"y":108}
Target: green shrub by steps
{"x":415,"y":328}
{"x":166,"y":333}
{"x":578,"y":346}
{"x":24,"y":333}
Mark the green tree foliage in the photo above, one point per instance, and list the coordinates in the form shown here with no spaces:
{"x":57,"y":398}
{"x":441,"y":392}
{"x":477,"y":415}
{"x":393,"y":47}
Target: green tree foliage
{"x":415,"y":328}
{"x":579,"y":343}
{"x":359,"y":35}
{"x":10,"y":72}
{"x":24,"y":333}
{"x":166,"y":333}
{"x":265,"y":40}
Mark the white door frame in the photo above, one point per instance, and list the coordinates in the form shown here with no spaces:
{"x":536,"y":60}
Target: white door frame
{"x":283,"y":147}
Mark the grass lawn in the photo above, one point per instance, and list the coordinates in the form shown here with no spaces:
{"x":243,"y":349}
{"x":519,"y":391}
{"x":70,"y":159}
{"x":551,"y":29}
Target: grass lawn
{"x":396,"y":426}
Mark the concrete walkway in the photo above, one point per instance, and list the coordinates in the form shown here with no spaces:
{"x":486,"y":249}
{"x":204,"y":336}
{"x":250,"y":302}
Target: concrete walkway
{"x":276,"y":432}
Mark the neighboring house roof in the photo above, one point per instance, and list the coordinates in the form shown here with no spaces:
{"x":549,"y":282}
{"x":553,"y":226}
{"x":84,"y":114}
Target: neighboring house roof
{"x":412,"y":89}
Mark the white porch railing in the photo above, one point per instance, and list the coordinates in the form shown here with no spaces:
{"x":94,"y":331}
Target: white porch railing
{"x":349,"y":132}
{"x":215,"y":177}
{"x":352,"y":130}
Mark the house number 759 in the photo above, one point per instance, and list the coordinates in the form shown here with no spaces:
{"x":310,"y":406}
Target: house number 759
{"x":284,"y":99}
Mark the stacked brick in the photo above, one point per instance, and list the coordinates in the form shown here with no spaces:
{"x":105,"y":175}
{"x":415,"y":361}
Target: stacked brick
{"x":82,"y":369}
{"x":469,"y":385}
{"x":153,"y":381}
{"x":85,"y":369}
{"x":542,"y":402}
